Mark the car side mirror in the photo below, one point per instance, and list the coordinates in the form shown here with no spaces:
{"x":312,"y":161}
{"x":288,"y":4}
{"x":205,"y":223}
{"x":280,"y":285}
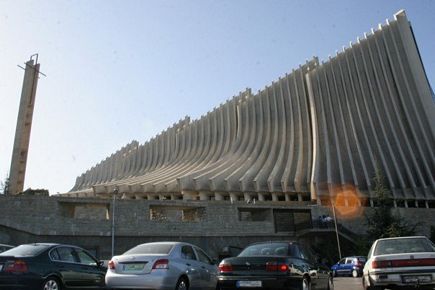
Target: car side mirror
{"x":101,"y":263}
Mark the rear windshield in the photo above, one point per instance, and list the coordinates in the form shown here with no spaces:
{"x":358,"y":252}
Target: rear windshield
{"x":25,"y":250}
{"x":268,"y":249}
{"x":408,"y":245}
{"x":162,"y":249}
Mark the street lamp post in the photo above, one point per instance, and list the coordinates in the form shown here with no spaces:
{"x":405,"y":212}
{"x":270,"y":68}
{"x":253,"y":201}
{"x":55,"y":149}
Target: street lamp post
{"x":336,"y":228}
{"x":115,"y":192}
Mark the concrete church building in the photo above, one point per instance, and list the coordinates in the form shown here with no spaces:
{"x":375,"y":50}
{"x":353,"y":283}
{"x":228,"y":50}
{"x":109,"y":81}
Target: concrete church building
{"x":263,"y":165}
{"x":320,"y":130}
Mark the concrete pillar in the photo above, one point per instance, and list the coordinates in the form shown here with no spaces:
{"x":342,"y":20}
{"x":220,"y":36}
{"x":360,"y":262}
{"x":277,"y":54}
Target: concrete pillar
{"x":233,"y":196}
{"x":300,"y":198}
{"x":203,"y":195}
{"x":189,"y":195}
{"x":219,"y":195}
{"x":247,"y":196}
{"x":24,"y":125}
{"x":260,"y":197}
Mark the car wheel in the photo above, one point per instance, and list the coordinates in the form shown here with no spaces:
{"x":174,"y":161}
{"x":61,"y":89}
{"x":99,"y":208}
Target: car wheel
{"x":305,"y":284}
{"x":51,"y":283}
{"x":330,"y":284}
{"x":355,"y":273}
{"x":182,"y":284}
{"x":368,"y":287}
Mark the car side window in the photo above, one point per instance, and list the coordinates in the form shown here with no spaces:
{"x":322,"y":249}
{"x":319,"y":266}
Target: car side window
{"x":342,"y":261}
{"x":85,"y":258}
{"x":370,"y":252}
{"x":187,"y":253}
{"x":349,"y":261}
{"x":66,"y":254}
{"x":54,"y":255}
{"x":203,"y":256}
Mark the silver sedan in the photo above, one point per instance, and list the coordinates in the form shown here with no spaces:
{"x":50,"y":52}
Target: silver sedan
{"x":162,"y":266}
{"x":402,"y":261}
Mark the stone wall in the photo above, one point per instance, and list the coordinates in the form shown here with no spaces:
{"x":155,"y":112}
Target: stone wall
{"x":211,"y":225}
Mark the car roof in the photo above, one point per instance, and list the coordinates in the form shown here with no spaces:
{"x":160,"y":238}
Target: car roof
{"x":52,"y":245}
{"x":408,"y":237}
{"x":5,"y":245}
{"x":168,"y":243}
{"x":274,"y":242}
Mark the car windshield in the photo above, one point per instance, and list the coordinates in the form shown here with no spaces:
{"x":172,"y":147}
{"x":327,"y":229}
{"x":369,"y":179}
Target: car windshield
{"x":162,"y":249}
{"x":408,"y":245}
{"x":25,"y":250}
{"x":269,"y":249}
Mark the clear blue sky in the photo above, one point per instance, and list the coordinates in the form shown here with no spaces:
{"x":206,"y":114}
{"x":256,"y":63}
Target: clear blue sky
{"x":126,"y":70}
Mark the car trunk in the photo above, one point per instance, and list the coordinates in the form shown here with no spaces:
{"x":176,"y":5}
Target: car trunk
{"x":405,"y":260}
{"x":137,"y":264}
{"x":258,"y":266}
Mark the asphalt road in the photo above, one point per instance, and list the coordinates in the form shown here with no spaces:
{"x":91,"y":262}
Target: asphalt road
{"x":348,"y":283}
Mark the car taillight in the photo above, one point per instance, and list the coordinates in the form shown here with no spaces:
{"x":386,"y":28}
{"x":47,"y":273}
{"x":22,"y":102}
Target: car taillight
{"x":111,"y":265}
{"x":161,"y":264}
{"x":274,"y":267}
{"x":225,"y":267}
{"x":381,"y":264}
{"x":413,"y":263}
{"x":403,"y":263}
{"x":17,"y":266}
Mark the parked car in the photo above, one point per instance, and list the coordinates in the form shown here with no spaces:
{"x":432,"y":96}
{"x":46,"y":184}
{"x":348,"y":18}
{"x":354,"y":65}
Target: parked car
{"x":349,"y":266}
{"x":46,"y":266}
{"x":274,"y":265}
{"x":229,"y":251}
{"x":4,"y":247}
{"x":163,"y":266}
{"x":401,"y":261}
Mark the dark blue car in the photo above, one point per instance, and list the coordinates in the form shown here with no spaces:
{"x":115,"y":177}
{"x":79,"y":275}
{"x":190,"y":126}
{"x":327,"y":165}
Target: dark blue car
{"x":45,"y":266}
{"x":349,"y":266}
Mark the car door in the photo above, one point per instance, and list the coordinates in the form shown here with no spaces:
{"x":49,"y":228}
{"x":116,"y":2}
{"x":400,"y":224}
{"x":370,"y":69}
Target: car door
{"x":66,"y":263}
{"x":91,"y":275}
{"x":192,"y":267}
{"x":319,"y":275}
{"x":208,"y":270}
{"x":341,"y":266}
{"x":347,"y":267}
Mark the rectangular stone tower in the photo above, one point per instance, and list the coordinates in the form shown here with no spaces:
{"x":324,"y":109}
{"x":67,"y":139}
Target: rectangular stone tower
{"x":24,"y":126}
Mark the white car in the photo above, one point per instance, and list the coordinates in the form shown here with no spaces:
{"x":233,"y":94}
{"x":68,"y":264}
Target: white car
{"x":162,"y":266}
{"x":401,"y":261}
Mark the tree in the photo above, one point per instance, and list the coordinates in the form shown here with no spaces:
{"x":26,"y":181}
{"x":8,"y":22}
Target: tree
{"x":382,"y":223}
{"x":4,"y":186}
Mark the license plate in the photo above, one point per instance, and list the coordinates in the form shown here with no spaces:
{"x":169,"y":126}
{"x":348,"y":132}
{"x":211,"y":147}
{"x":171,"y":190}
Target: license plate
{"x":417,"y":279}
{"x":133,"y":267}
{"x":249,"y":284}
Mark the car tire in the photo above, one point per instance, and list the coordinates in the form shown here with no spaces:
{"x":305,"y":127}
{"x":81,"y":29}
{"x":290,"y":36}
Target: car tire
{"x":330,"y":283}
{"x":355,"y":273}
{"x":368,"y":287}
{"x":305,"y":285}
{"x":182,"y":284}
{"x":51,"y":283}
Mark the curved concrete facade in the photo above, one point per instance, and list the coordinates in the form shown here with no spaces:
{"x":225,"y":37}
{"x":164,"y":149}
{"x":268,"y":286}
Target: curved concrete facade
{"x":319,"y":131}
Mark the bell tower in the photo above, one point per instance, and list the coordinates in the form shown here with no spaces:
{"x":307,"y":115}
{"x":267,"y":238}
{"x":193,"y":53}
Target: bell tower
{"x":24,"y":125}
